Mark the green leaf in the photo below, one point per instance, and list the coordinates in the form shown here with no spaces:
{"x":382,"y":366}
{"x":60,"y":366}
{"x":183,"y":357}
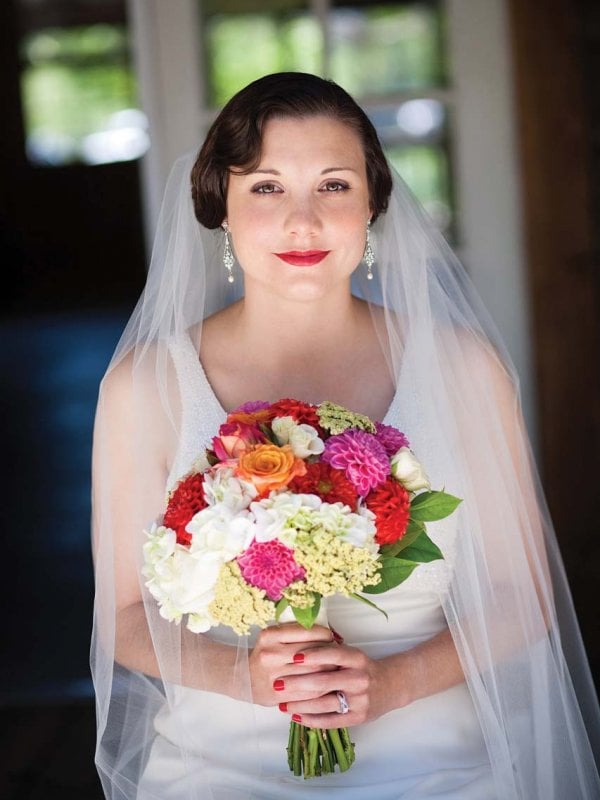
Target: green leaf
{"x":422,"y":550}
{"x":393,"y":572}
{"x":413,"y":531}
{"x":431,"y":506}
{"x":369,"y":603}
{"x":280,"y":607}
{"x":307,"y":616}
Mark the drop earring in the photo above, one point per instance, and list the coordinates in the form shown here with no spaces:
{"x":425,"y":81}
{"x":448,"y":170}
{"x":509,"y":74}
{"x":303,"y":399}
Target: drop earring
{"x":228,"y":254}
{"x":369,"y":255}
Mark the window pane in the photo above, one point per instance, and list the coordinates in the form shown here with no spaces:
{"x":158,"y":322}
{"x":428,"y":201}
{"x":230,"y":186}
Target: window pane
{"x":426,"y":171}
{"x":384,"y":49}
{"x":79,"y":96}
{"x":243,"y":47}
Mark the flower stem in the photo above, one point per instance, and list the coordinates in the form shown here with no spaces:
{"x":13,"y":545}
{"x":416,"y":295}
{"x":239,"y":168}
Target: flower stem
{"x":339,"y":749}
{"x":312,"y":752}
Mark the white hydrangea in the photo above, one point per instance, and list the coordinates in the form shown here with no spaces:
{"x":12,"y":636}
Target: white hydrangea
{"x":181,"y":581}
{"x":303,"y":439}
{"x":282,"y":515}
{"x":221,"y":530}
{"x":222,"y":486}
{"x":357,"y":529}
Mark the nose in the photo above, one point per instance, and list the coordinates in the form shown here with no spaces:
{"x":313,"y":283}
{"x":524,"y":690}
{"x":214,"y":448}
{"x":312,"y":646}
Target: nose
{"x":303,"y":218}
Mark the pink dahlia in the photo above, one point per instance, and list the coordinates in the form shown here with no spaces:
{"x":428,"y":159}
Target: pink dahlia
{"x":391,"y":438}
{"x":361,"y":456}
{"x":270,"y":566}
{"x":251,"y":406}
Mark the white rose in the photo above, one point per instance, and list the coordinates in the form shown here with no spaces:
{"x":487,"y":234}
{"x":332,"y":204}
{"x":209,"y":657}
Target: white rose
{"x":408,"y":471}
{"x":305,"y":441}
{"x":281,"y":427}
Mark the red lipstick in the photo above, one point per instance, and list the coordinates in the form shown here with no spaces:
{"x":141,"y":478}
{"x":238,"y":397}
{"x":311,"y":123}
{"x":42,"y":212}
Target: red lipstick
{"x":303,"y":258}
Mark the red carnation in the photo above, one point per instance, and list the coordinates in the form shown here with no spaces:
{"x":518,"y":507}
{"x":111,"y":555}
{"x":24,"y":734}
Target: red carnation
{"x":185,"y":501}
{"x":329,"y":483}
{"x":302,"y":413}
{"x":390,"y":502}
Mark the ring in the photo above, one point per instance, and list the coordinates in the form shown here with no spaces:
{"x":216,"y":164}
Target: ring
{"x":343,"y":701}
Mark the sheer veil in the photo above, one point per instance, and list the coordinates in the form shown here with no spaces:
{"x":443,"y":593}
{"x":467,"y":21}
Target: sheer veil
{"x":504,"y":593}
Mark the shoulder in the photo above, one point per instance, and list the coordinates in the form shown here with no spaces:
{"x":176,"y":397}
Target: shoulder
{"x":140,"y":387}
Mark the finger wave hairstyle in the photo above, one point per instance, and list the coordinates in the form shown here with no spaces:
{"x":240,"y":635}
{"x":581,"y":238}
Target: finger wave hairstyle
{"x":235,"y":137}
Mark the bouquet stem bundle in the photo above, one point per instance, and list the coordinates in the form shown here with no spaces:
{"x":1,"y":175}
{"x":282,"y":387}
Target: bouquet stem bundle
{"x":313,"y":752}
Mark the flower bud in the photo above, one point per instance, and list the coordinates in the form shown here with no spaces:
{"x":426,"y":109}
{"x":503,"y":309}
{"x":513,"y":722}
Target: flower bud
{"x":408,"y":471}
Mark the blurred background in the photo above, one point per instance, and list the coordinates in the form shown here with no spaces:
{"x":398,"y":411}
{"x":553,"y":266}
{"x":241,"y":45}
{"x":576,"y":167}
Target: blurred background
{"x":490,"y":109}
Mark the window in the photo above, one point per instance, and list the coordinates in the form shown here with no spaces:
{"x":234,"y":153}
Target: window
{"x":79,"y":96}
{"x":389,"y":55}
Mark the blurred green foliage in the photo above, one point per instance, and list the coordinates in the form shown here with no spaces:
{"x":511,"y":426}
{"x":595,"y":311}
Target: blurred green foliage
{"x":74,"y":79}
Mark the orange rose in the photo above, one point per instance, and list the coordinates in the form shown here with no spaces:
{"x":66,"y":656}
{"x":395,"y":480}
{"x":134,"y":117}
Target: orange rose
{"x":270,"y":467}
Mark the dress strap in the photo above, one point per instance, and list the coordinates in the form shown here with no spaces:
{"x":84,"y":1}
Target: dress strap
{"x":201,"y":413}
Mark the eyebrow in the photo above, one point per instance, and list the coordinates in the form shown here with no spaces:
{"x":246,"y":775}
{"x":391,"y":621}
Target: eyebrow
{"x":323,"y":172}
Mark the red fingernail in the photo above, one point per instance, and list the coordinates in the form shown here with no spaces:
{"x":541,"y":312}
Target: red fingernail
{"x":283,"y":706}
{"x":278,"y":685}
{"x":296,"y":718}
{"x":298,"y":658}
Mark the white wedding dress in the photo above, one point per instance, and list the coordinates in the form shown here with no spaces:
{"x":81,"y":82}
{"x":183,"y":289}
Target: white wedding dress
{"x":433,"y":748}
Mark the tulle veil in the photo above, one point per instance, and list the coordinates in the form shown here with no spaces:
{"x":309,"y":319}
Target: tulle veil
{"x":506,"y":601}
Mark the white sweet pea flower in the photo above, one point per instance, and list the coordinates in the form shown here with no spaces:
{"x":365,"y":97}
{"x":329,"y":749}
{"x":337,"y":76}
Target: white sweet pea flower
{"x":222,"y":486}
{"x":281,"y":427}
{"x":408,"y":471}
{"x":160,"y":545}
{"x":280,"y":516}
{"x":304,"y":441}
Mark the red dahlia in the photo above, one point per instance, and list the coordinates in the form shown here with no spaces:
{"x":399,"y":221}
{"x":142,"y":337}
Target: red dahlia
{"x":329,"y":483}
{"x":185,"y":501}
{"x":302,"y":413}
{"x":390,"y":502}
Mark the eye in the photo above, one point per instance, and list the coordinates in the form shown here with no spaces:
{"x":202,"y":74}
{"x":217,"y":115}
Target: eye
{"x":266,"y":188}
{"x":335,"y":186}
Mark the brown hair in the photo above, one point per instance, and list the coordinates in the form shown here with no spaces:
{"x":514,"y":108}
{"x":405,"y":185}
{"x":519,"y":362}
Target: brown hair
{"x":235,"y":137}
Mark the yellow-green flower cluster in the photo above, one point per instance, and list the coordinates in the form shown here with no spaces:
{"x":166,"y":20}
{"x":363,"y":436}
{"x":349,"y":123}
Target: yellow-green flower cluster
{"x":238,"y":604}
{"x":299,"y":595}
{"x":333,"y":565}
{"x":337,"y":419}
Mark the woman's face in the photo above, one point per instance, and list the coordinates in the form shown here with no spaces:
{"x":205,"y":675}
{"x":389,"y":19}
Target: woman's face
{"x":298,"y":222}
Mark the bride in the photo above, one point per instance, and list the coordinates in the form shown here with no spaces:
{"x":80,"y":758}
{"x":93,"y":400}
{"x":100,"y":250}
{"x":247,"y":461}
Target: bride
{"x":256,"y":291}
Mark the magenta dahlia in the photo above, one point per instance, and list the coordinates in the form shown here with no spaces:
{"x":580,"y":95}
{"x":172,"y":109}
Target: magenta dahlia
{"x":391,"y":438}
{"x":251,"y":406}
{"x":361,"y":456}
{"x":270,"y":566}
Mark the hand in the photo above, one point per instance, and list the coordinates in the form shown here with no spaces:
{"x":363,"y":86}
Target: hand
{"x":272,"y":658}
{"x":372,"y":687}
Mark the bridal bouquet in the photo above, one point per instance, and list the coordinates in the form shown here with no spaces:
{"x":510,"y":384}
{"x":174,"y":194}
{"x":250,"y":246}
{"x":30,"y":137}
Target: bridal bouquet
{"x":292,"y":503}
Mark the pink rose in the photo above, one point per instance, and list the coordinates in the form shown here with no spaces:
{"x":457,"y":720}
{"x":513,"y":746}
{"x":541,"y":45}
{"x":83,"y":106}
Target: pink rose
{"x":235,"y":439}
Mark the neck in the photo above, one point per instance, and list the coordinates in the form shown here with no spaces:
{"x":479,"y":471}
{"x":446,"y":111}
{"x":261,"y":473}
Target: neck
{"x":304,"y":330}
